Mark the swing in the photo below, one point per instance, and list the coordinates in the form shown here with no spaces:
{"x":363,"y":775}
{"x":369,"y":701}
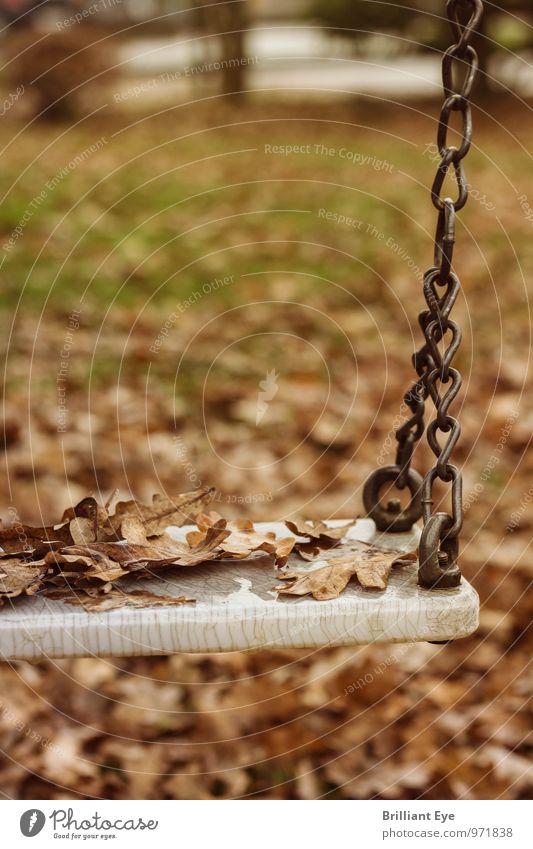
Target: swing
{"x":236,"y":607}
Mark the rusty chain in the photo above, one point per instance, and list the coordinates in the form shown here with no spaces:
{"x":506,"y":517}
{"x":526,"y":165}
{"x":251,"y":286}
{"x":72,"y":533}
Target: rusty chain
{"x":439,"y":541}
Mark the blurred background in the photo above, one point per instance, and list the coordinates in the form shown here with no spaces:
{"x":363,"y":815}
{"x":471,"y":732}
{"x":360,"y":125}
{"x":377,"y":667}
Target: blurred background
{"x":195,"y":196}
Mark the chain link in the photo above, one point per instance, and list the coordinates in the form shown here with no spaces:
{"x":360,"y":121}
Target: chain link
{"x":439,"y":543}
{"x":437,"y":378}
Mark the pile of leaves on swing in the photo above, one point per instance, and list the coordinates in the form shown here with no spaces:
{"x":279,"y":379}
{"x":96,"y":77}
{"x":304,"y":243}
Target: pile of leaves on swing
{"x":95,"y":555}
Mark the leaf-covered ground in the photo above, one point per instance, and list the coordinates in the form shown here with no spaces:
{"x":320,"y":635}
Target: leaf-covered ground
{"x":189,"y":303}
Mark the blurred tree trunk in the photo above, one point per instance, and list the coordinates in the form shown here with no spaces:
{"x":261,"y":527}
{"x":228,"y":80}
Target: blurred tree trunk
{"x":233,"y":20}
{"x":228,"y":21}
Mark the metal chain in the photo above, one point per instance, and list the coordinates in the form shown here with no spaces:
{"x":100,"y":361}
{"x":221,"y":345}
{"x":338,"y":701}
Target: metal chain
{"x":439,"y":541}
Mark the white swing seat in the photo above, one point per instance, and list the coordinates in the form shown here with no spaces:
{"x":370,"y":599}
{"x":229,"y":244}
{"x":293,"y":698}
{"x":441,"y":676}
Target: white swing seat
{"x":236,"y":609}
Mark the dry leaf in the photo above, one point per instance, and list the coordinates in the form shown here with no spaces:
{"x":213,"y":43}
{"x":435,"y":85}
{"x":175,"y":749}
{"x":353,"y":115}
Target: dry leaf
{"x":165,"y":510}
{"x":284,"y":547}
{"x":17,"y":578}
{"x":325,"y":583}
{"x":25,"y":539}
{"x":307,"y":550}
{"x":87,"y":508}
{"x":242,"y":543}
{"x":204,"y":521}
{"x":93,"y":548}
{"x":77,"y":565}
{"x":371,"y":566}
{"x":321,"y":533}
{"x":82,"y":530}
{"x":242,"y":540}
{"x":133,"y":531}
{"x":165,"y":552}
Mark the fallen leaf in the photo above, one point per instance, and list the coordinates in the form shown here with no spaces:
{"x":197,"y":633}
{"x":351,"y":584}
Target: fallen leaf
{"x":323,"y":584}
{"x":82,"y":530}
{"x":204,"y":521}
{"x":164,"y":552}
{"x":318,"y":531}
{"x":26,"y":540}
{"x":165,"y":510}
{"x":17,"y":578}
{"x":133,"y":531}
{"x":85,"y":566}
{"x":307,"y":550}
{"x":320,"y":536}
{"x":371,"y":566}
{"x":87,"y":508}
{"x":284,"y":547}
{"x":242,"y":540}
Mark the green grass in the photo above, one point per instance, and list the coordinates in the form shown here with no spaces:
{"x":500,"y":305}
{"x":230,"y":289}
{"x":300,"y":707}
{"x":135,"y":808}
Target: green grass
{"x":125,"y":239}
{"x":165,"y":207}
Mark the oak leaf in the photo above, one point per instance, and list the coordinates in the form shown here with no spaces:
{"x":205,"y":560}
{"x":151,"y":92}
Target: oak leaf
{"x":77,"y":566}
{"x":165,"y":510}
{"x":318,"y":531}
{"x":369,"y":564}
{"x":242,"y":540}
{"x":25,"y":540}
{"x":165,"y":551}
{"x":17,"y":578}
{"x":319,"y":536}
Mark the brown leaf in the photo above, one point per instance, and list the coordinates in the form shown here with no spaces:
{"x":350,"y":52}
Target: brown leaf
{"x":87,"y":508}
{"x":165,"y":510}
{"x":371,"y":566}
{"x":116,"y":598}
{"x":17,"y":577}
{"x":307,"y":550}
{"x":133,"y":531}
{"x":212,"y":519}
{"x":242,"y":540}
{"x":82,"y":530}
{"x":165,"y":552}
{"x":241,"y":543}
{"x":206,"y":549}
{"x":321,"y":536}
{"x":325,"y":583}
{"x":284,"y":547}
{"x":372,"y":573}
{"x":93,"y":565}
{"x":205,"y":522}
{"x":318,"y":531}
{"x":25,"y":539}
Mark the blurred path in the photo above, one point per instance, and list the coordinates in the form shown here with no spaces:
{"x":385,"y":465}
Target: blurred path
{"x":295,"y":57}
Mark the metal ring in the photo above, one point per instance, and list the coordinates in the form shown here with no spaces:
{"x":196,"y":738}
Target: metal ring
{"x":463,"y":32}
{"x":442,"y":403}
{"x":387,"y":519}
{"x":437,"y":555}
{"x":453,"y":475}
{"x":460,"y":178}
{"x":446,"y":300}
{"x":451,"y":427}
{"x":435,"y":331}
{"x":445,"y":241}
{"x":471,"y":61}
{"x":455,"y":103}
